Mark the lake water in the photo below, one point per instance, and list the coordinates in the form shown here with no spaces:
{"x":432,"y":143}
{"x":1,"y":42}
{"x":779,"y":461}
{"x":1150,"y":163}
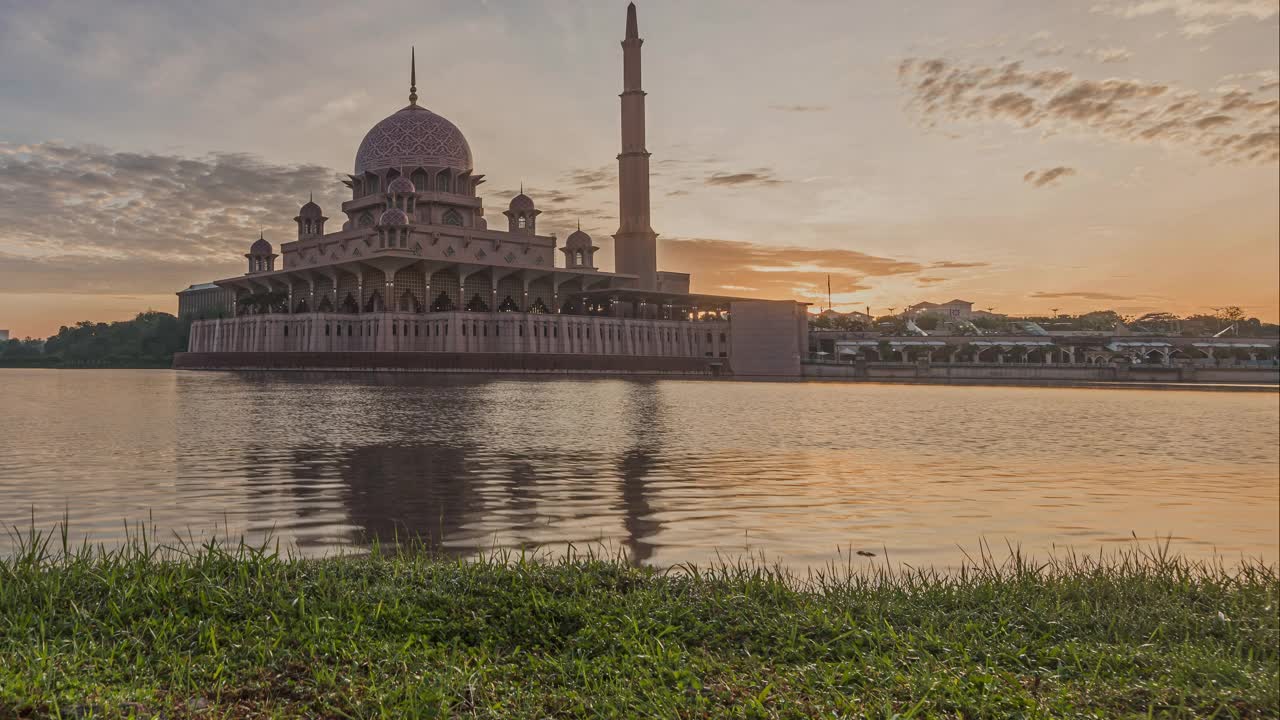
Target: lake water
{"x":666,"y":471}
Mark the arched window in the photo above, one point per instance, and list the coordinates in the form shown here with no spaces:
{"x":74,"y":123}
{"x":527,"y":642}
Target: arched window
{"x":442,"y":303}
{"x":577,"y":257}
{"x":521,"y":222}
{"x":366,"y":219}
{"x":451,"y":217}
{"x":442,"y":182}
{"x":419,"y":180}
{"x":371,"y":185}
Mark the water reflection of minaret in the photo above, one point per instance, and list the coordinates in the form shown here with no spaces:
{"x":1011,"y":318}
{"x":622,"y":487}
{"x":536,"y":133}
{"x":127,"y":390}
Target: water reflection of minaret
{"x":643,"y":408}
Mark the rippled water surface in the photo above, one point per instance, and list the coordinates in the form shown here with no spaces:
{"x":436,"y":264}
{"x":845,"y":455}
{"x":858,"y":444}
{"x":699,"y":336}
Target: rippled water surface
{"x":665,"y":471}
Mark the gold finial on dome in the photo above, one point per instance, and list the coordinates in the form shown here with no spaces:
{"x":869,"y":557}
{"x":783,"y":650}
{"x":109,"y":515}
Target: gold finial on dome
{"x":413,"y":77}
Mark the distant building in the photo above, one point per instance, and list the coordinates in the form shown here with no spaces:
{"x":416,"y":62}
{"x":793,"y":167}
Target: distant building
{"x":4,"y":335}
{"x":851,"y":315}
{"x":206,"y":300}
{"x":951,"y":310}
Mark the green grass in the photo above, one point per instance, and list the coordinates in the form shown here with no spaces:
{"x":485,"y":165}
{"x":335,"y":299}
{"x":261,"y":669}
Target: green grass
{"x":238,"y":631}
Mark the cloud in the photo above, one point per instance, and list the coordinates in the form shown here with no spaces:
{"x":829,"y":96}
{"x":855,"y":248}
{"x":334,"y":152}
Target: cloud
{"x":777,"y":272}
{"x":150,"y":217}
{"x":1050,"y":176}
{"x":1080,"y":295}
{"x":1120,"y":109}
{"x":800,"y":108}
{"x":954,"y":265}
{"x":1198,"y":17}
{"x":926,"y":280}
{"x":1109,"y":55}
{"x":601,"y":178}
{"x":759,"y":177}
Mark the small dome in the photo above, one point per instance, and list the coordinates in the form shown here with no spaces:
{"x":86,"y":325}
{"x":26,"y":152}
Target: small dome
{"x":310,"y":210}
{"x":402,"y":185}
{"x":521,"y":202}
{"x":260,"y":247}
{"x":577,"y":237}
{"x":393,"y":216}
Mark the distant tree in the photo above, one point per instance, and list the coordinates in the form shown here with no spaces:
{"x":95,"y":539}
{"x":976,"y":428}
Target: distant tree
{"x":1100,"y":320}
{"x":928,"y":321}
{"x":983,"y":322}
{"x":149,"y":340}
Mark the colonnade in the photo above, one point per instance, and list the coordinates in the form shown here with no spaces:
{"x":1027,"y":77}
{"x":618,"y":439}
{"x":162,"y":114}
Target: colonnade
{"x":495,"y":332}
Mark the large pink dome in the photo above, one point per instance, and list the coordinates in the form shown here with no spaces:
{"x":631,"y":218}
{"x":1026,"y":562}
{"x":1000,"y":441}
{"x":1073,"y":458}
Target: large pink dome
{"x":411,"y":137}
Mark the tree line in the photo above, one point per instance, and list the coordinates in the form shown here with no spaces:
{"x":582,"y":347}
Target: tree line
{"x":148,"y":340}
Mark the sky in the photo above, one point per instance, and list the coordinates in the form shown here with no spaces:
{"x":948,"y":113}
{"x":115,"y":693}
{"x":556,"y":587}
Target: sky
{"x":1025,"y":155}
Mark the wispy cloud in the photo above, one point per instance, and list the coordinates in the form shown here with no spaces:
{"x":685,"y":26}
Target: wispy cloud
{"x":801,"y":108}
{"x":1129,"y":110}
{"x":1109,"y":55}
{"x":1197,"y":17}
{"x":1041,"y":178}
{"x":1080,"y":295}
{"x":758,"y":176}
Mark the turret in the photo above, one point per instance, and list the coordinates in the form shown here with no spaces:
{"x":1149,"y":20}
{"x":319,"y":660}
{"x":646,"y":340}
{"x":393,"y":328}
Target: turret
{"x":261,"y":256}
{"x":310,"y":220}
{"x":522,"y":216}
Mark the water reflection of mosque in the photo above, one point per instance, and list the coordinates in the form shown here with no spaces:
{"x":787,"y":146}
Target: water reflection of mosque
{"x":429,"y":493}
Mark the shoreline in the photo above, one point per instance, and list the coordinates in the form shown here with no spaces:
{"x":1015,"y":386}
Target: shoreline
{"x":581,"y":374}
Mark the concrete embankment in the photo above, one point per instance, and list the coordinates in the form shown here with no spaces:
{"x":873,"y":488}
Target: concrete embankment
{"x":1239,"y":378}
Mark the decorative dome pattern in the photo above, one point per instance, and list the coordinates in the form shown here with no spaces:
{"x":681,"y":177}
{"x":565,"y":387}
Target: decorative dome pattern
{"x":401,"y":185}
{"x":577,"y":237}
{"x":260,"y":247}
{"x":413,"y":137}
{"x":310,"y":210}
{"x":521,"y":202}
{"x":393,"y":216}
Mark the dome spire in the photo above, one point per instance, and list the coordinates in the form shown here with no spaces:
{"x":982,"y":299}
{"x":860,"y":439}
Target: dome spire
{"x":413,"y":77}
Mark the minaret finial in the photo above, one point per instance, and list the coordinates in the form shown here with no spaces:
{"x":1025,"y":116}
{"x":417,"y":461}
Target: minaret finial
{"x":311,"y":197}
{"x":579,"y":223}
{"x":521,"y":187}
{"x":633,"y":27}
{"x":413,"y":77}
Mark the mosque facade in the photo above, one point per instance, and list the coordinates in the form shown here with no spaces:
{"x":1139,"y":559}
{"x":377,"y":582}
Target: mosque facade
{"x":414,"y":269}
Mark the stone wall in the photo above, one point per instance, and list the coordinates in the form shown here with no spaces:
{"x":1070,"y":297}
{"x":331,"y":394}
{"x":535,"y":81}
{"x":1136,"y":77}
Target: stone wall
{"x":448,"y":362}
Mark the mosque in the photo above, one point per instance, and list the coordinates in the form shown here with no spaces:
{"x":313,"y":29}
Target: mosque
{"x":416,"y":280}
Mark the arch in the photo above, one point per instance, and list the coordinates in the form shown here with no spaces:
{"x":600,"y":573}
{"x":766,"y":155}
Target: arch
{"x":442,"y":182}
{"x":578,"y":257}
{"x":521,"y":221}
{"x":442,"y":303}
{"x":451,"y":217}
{"x":372,"y":184}
{"x":409,"y":302}
{"x":419,"y":180}
{"x":366,"y":219}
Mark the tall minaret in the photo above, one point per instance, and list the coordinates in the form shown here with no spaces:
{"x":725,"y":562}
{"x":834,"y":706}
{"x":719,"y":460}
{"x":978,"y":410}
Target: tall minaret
{"x":635,"y":249}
